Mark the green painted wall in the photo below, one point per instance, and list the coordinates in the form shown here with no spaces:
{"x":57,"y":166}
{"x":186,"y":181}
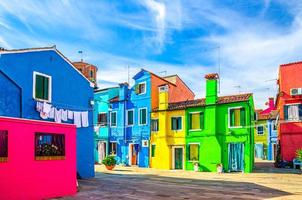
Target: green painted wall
{"x":216,"y":136}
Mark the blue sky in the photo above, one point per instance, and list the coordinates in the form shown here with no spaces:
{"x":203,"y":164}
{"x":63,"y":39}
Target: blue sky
{"x":180,"y":37}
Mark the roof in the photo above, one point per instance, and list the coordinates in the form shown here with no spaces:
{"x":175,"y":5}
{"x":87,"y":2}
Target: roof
{"x":155,"y":76}
{"x":201,"y":102}
{"x":261,"y":116}
{"x":212,"y":76}
{"x":292,"y":63}
{"x":81,"y":63}
{"x":273,"y":114}
{"x":175,"y":75}
{"x":51,"y":48}
{"x":104,"y":89}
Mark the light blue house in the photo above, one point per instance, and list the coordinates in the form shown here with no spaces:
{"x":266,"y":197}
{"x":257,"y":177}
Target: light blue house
{"x":102,"y":107}
{"x":272,"y":135}
{"x":28,"y":76}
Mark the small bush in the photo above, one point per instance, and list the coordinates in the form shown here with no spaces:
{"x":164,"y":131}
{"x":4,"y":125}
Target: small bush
{"x":299,"y":154}
{"x":109,"y":161}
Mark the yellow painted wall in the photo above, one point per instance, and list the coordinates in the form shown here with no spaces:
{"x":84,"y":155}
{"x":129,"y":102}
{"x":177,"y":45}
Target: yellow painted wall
{"x":165,"y":138}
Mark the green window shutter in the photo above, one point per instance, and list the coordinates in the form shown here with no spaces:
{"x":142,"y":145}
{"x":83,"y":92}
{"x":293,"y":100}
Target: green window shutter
{"x":232,"y":117}
{"x":201,"y":120}
{"x":153,"y":150}
{"x":39,"y":87}
{"x":173,"y":123}
{"x":45,"y":87}
{"x":179,"y":123}
{"x":286,"y":112}
{"x":242,"y":116}
{"x":190,"y":121}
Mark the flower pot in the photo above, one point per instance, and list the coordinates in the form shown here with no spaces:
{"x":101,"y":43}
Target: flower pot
{"x":109,"y":167}
{"x":196,"y":168}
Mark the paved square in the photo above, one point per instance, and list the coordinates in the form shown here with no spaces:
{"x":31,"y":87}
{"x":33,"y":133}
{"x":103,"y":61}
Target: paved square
{"x":138,"y":183}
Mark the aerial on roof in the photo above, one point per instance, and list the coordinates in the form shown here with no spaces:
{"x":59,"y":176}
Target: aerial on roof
{"x":201,"y":102}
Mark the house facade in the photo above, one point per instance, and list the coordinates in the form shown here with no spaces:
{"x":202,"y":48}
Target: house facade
{"x":215,"y":130}
{"x":289,"y":105}
{"x":44,"y":76}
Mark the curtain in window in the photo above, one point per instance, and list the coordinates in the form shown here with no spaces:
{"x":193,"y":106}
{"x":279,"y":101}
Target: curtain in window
{"x":3,"y":143}
{"x":293,"y":112}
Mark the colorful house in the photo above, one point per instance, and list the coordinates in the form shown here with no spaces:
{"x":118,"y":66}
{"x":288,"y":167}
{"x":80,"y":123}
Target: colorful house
{"x":272,"y":135}
{"x":218,"y":130}
{"x":102,"y":106}
{"x":130,"y":119}
{"x":42,"y":84}
{"x":289,"y":105}
{"x":265,"y":132}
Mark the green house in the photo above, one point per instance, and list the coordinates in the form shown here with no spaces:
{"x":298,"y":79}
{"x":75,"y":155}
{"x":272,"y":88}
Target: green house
{"x":220,"y":130}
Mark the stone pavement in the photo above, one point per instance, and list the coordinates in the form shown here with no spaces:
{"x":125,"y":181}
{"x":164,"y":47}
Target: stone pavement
{"x":137,"y":183}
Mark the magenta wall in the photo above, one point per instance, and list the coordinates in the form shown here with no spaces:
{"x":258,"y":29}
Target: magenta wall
{"x":22,"y":177}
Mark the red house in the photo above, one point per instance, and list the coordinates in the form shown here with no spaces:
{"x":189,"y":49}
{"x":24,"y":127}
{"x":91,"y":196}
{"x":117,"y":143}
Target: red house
{"x":289,"y":105}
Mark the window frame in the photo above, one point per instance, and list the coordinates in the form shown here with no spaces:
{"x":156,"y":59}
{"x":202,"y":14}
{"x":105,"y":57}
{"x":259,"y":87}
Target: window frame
{"x":142,"y":83}
{"x":35,"y":73}
{"x":198,"y":144}
{"x":110,"y":150}
{"x":229,"y":116}
{"x":292,"y":104}
{"x":139,"y":115}
{"x":115,"y":118}
{"x":5,"y":158}
{"x":260,"y":125}
{"x":182,"y":121}
{"x":155,"y":119}
{"x":127,"y":124}
{"x":106,"y":123}
{"x":197,"y":112}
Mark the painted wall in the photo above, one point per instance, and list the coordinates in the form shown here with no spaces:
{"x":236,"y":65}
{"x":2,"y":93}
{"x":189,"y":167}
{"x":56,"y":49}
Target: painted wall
{"x":272,"y":139}
{"x":23,"y":177}
{"x":70,"y":90}
{"x":262,"y":139}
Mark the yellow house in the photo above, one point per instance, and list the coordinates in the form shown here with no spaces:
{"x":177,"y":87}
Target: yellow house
{"x":167,"y":135}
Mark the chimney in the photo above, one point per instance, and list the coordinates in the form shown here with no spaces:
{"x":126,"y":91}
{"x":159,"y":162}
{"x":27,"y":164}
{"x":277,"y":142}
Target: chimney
{"x":163,"y":96}
{"x":211,"y":88}
{"x":271,"y":103}
{"x":123,"y":91}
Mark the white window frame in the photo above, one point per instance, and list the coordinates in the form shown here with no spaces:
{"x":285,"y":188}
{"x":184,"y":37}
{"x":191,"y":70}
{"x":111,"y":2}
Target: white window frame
{"x":292,"y":104}
{"x":257,"y":129}
{"x":115,"y":119}
{"x":190,"y":122}
{"x":139,"y":115}
{"x":141,"y":83}
{"x":229,"y":117}
{"x":157,"y":125}
{"x":182,"y":123}
{"x":49,"y":86}
{"x":132,"y":117}
{"x":110,"y":149}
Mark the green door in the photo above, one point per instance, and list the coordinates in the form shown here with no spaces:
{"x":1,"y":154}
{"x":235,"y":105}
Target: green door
{"x":178,"y":154}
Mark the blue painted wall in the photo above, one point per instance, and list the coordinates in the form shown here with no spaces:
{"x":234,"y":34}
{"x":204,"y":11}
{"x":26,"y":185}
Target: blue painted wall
{"x":272,"y":139}
{"x":69,"y":91}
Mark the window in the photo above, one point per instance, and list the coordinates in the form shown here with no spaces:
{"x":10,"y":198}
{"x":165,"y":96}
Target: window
{"x":260,"y":130}
{"x":140,"y":88}
{"x":91,"y":73}
{"x":3,"y":146}
{"x":42,"y":87}
{"x":154,"y":125}
{"x":49,"y":146}
{"x":142,"y":116}
{"x":193,"y":152}
{"x":197,"y":121}
{"x":102,"y":119}
{"x":293,"y":112}
{"x":130,"y":117}
{"x":113,"y":119}
{"x":274,"y":125}
{"x":112,"y":148}
{"x":176,"y":123}
{"x":237,"y":117}
{"x":153,"y":150}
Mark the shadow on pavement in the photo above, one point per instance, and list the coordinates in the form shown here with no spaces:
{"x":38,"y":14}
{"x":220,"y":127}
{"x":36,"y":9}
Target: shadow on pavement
{"x":268,"y":167}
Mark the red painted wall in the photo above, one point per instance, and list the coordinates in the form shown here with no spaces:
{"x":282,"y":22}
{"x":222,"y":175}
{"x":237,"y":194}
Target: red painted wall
{"x":23,"y":177}
{"x":290,"y":133}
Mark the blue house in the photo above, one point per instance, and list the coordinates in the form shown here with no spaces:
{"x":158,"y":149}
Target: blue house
{"x":272,"y":135}
{"x":28,"y":76}
{"x":102,"y":106}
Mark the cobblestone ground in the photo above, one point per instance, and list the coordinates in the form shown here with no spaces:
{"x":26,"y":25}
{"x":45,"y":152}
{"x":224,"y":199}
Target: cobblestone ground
{"x":136,"y":183}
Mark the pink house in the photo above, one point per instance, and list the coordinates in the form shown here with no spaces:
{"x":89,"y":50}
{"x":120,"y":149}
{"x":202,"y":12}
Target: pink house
{"x":37,"y":159}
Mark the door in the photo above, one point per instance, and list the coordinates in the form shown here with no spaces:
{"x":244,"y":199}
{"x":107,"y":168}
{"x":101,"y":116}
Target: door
{"x":102,"y":151}
{"x":259,"y":150}
{"x":178,"y":158}
{"x":133,"y":154}
{"x":274,"y":151}
{"x":236,"y":157}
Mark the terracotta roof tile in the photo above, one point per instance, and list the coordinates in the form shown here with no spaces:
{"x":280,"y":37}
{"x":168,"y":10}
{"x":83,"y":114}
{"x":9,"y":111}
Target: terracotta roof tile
{"x":201,"y":102}
{"x":211,"y":76}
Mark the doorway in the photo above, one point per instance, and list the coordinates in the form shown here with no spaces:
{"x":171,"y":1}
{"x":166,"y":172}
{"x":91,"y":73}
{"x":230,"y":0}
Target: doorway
{"x":133,"y":154}
{"x":178,"y":157}
{"x":102,"y":146}
{"x":274,"y":151}
{"x":236,"y":157}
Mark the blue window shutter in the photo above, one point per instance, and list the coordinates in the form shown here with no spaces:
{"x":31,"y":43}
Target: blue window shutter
{"x":300,"y":111}
{"x":286,"y":112}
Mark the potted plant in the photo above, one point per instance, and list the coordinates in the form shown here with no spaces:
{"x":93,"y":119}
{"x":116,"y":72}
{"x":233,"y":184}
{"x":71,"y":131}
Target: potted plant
{"x":109,"y":162}
{"x":299,"y":154}
{"x":196,"y":166}
{"x":219,"y":168}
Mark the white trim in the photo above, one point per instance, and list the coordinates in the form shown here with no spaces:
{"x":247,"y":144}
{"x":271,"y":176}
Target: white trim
{"x":53,"y":48}
{"x":182,"y":123}
{"x":132,"y":118}
{"x":157,"y":125}
{"x":173,"y":156}
{"x":49,"y":86}
{"x":139,"y":115}
{"x":144,"y":82}
{"x":258,"y":131}
{"x":115,"y":119}
{"x":199,"y":129}
{"x":229,"y":117}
